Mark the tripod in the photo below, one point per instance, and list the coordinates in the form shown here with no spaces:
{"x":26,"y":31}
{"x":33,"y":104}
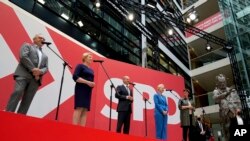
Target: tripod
{"x":145,"y":108}
{"x":110,"y":100}
{"x":65,"y":63}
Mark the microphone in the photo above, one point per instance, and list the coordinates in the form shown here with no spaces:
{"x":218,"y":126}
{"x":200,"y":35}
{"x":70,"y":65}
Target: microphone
{"x":169,"y":90}
{"x":100,"y":61}
{"x":131,"y":83}
{"x":46,"y":43}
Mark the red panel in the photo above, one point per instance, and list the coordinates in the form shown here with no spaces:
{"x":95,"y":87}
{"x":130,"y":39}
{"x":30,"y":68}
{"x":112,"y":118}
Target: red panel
{"x":12,"y":30}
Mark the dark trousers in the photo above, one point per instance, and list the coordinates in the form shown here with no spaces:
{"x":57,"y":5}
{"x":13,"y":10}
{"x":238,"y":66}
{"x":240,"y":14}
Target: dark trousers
{"x":188,"y":130}
{"x":123,"y":119}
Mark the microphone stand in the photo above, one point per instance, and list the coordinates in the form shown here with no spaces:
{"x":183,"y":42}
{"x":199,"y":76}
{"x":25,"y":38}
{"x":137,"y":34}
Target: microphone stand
{"x":65,"y":63}
{"x":164,"y":118}
{"x":145,"y":108}
{"x":203,"y":112}
{"x":173,"y":94}
{"x":110,"y":100}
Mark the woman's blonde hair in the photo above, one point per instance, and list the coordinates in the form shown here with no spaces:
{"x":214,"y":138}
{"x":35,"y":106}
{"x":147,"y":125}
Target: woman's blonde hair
{"x":85,"y":55}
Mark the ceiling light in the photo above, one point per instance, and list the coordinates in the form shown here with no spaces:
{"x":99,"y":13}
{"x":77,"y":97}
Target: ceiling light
{"x":41,"y":1}
{"x":170,"y":32}
{"x":188,"y":20}
{"x":151,"y":3}
{"x":131,"y":16}
{"x":193,"y":16}
{"x":208,"y":47}
{"x":98,"y":4}
{"x":80,"y":23}
{"x":65,"y":16}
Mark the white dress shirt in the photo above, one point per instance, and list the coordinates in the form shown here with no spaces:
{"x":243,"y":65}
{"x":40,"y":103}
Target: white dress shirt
{"x":127,"y":88}
{"x":39,"y":52}
{"x":239,"y":120}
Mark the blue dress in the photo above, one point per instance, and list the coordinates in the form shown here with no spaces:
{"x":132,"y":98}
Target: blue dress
{"x":83,"y":91}
{"x":160,"y":119}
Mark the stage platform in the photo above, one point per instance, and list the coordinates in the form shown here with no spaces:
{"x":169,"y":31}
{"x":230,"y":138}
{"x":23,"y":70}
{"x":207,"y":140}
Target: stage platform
{"x":16,"y":127}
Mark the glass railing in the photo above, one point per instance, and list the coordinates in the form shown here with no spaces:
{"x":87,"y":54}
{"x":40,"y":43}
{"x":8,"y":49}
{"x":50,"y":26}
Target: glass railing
{"x":204,"y":100}
{"x":208,"y":58}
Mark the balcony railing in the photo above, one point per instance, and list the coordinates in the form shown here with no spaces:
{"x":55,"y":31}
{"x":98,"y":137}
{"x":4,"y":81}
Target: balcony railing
{"x":207,"y":58}
{"x":204,"y":100}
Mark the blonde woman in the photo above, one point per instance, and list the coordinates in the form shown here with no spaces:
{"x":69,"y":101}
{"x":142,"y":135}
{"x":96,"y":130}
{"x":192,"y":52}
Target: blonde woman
{"x":84,"y":77}
{"x":161,"y":113}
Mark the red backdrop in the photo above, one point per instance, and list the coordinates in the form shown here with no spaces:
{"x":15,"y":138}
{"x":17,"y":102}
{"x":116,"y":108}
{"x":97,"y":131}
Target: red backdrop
{"x":19,"y":27}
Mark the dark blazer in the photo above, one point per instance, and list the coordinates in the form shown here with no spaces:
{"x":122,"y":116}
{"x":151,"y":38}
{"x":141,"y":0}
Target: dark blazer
{"x":233,"y":125}
{"x":124,"y":104}
{"x":234,"y":122}
{"x":197,"y":131}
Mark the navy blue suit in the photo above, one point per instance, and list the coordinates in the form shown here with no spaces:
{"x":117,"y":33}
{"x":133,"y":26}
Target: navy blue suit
{"x":160,"y":119}
{"x":124,"y":109}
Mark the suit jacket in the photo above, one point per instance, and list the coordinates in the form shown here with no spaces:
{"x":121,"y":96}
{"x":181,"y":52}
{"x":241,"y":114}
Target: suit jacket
{"x":197,"y":131}
{"x":160,"y":119}
{"x":234,"y":122}
{"x":197,"y":127}
{"x":124,"y":104}
{"x":29,"y":60}
{"x":160,"y":104}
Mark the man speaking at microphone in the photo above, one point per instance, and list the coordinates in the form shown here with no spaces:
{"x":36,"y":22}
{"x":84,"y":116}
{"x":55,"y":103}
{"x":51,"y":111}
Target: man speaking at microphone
{"x":32,"y":66}
{"x":124,"y":108}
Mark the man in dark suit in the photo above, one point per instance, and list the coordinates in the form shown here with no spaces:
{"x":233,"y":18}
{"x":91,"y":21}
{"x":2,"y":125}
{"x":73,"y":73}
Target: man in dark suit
{"x":124,"y":108}
{"x":199,"y":129}
{"x":235,"y":122}
{"x":28,"y":75}
{"x":237,"y":119}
